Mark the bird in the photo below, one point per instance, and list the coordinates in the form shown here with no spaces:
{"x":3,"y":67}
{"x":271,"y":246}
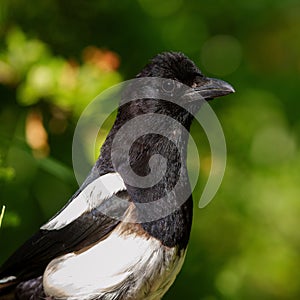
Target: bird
{"x":114,"y":240}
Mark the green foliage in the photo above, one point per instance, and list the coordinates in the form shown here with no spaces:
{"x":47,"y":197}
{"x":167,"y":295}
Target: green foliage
{"x":56,"y":56}
{"x":40,"y":75}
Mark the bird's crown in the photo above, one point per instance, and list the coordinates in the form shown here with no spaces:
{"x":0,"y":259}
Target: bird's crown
{"x":172,"y":65}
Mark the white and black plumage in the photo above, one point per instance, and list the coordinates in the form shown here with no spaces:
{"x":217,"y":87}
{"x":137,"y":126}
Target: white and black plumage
{"x":82,"y":253}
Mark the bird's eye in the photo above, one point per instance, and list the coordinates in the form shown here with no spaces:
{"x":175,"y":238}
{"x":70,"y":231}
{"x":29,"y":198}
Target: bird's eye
{"x":168,"y":86}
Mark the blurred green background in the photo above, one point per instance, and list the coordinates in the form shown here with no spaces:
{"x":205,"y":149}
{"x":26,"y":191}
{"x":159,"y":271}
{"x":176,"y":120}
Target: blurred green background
{"x":56,"y":56}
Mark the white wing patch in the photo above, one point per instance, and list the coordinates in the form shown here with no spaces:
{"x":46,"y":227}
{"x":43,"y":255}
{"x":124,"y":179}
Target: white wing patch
{"x":7,"y":279}
{"x":139,"y":265}
{"x":92,"y":196}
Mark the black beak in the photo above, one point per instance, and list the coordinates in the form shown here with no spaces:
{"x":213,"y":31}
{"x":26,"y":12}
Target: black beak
{"x":211,"y":88}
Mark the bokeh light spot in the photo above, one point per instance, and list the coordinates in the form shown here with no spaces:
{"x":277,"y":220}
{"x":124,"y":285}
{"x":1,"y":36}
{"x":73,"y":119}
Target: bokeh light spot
{"x":184,"y":34}
{"x":221,"y":55}
{"x":228,"y":282}
{"x":156,"y":8}
{"x":273,"y":145}
{"x":36,"y":135}
{"x":11,"y":219}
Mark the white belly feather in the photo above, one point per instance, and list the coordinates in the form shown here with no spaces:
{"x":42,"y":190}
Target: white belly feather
{"x":129,"y":267}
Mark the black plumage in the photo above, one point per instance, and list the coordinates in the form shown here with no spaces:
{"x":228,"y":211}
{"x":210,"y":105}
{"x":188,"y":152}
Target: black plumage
{"x":28,"y":271}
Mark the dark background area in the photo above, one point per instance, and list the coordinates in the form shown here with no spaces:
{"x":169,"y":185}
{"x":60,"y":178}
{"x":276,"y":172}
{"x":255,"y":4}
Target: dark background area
{"x":56,"y":56}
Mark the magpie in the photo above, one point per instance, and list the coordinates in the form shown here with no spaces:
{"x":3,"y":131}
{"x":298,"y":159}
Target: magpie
{"x":114,"y":240}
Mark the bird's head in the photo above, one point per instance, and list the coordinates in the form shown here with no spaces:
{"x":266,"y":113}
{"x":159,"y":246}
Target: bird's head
{"x":178,"y":67}
{"x":170,"y":84}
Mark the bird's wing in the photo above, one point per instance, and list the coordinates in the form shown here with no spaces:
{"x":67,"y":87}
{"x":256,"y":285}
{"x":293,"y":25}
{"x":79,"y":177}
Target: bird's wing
{"x":88,"y":218}
{"x":124,"y":263}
